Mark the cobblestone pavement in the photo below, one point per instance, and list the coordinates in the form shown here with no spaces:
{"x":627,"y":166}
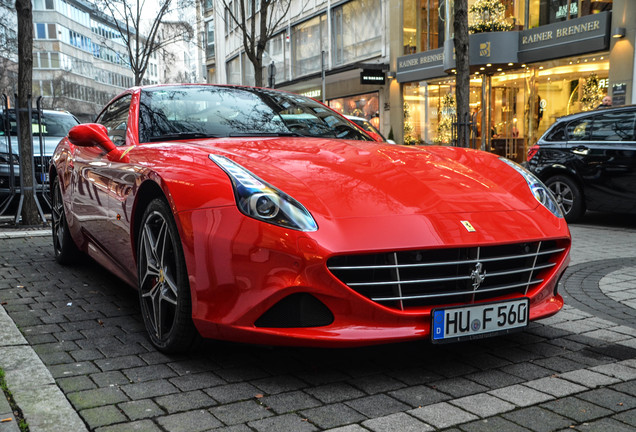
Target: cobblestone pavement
{"x":574,"y":371}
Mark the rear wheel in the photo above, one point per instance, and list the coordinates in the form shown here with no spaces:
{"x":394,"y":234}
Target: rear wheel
{"x":66,"y":252}
{"x":164,"y":291}
{"x":568,"y":195}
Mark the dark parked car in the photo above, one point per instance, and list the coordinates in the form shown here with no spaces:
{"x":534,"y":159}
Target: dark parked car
{"x":588,"y":160}
{"x":54,"y":126}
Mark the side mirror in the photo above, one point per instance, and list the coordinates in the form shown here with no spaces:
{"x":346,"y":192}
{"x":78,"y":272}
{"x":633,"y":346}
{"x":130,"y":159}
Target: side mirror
{"x":96,"y":135}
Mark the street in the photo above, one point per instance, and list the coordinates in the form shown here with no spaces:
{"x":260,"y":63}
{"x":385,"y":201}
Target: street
{"x":81,"y":360}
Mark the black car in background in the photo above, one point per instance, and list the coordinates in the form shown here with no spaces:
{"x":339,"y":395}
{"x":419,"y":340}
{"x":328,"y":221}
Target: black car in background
{"x":588,"y":160}
{"x":51,"y":125}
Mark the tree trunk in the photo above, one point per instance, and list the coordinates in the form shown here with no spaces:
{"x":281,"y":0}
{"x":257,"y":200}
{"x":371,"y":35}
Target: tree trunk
{"x":462,"y":66}
{"x":25,"y":75}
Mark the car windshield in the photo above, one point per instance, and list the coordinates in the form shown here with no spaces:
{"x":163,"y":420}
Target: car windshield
{"x":217,"y":111}
{"x":53,"y":124}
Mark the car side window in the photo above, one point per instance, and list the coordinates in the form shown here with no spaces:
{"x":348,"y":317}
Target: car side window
{"x":613,"y":126}
{"x":579,"y":130}
{"x":557,"y":134}
{"x":115,"y":119}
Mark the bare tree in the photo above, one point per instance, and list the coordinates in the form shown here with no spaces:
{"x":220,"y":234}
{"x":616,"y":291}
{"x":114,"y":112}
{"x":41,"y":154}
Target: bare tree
{"x":257,"y":21}
{"x":462,"y":66}
{"x":8,"y":51}
{"x":25,"y":84}
{"x":141,"y":35}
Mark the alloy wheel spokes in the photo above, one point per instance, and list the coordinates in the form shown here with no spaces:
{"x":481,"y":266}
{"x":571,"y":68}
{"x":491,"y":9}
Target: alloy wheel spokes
{"x":158,"y":287}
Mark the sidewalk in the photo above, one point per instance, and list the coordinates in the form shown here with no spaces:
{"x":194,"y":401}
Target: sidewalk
{"x":81,"y":361}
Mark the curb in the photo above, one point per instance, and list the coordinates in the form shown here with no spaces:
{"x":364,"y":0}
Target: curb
{"x":44,"y":406}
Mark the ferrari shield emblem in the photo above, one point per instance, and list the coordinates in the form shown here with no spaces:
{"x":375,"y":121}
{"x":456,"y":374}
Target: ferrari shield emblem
{"x":468,"y":226}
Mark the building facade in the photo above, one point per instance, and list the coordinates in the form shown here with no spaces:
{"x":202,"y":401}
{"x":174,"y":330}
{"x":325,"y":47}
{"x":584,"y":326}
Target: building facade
{"x":551,"y":62}
{"x":334,"y":51}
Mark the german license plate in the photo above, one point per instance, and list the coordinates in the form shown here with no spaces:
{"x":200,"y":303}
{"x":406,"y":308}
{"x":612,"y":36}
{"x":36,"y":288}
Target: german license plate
{"x":469,"y":322}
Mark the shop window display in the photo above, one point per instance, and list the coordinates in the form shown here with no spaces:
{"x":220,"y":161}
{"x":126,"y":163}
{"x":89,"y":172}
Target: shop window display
{"x":365,"y":106}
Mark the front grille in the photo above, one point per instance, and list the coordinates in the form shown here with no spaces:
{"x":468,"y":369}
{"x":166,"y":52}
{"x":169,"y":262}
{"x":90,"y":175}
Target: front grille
{"x":408,"y":279}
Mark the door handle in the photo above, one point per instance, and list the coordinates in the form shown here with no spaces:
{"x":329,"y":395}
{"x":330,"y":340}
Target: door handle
{"x":581,"y":150}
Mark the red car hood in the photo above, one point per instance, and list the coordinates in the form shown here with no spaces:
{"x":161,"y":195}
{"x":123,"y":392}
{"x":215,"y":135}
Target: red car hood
{"x":344,"y":179}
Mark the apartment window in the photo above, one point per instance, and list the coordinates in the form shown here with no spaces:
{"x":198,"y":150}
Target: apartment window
{"x":276,"y":48}
{"x":45,"y":31}
{"x":357,"y":31}
{"x":309,"y":39}
{"x":209,"y":52}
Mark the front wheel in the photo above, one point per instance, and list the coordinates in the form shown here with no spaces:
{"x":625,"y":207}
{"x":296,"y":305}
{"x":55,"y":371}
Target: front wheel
{"x":164,"y":291}
{"x":568,"y":195}
{"x":66,"y":251}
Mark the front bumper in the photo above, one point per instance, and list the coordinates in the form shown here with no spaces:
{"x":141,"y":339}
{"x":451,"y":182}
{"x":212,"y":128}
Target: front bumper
{"x":241,"y":270}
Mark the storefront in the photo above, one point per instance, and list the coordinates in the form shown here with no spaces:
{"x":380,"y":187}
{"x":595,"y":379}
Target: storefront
{"x":520,"y":83}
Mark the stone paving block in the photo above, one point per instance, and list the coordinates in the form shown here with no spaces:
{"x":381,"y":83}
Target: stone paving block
{"x":196,"y":381}
{"x":149,"y":389}
{"x":527,"y":371}
{"x":349,"y":428}
{"x":291,"y":401}
{"x":148,"y":373}
{"x":330,"y":416}
{"x":616,"y":370}
{"x":240,"y":412}
{"x":419,"y":395}
{"x":493,"y":379}
{"x":483,"y":405}
{"x":493,"y":424}
{"x":235,"y":428}
{"x":192,"y":421}
{"x":399,"y":422}
{"x":376,"y":383}
{"x":610,"y":399}
{"x":555,"y":386}
{"x":75,"y":384}
{"x":240,"y":374}
{"x":605,"y":425}
{"x":86,"y":355}
{"x":589,"y":378}
{"x":118,"y":363}
{"x":628,"y":387}
{"x":287,"y":422}
{"x":141,"y":409}
{"x":442,"y":415}
{"x":107,"y":379}
{"x":232,"y":392}
{"x":185,"y":401}
{"x":278,"y":384}
{"x":377,"y":405}
{"x":335,"y":392}
{"x":459,"y":387}
{"x":538,"y":419}
{"x":576,"y":409}
{"x":97,"y":397}
{"x":138,"y":426}
{"x":521,"y":395}
{"x":627,"y":417}
{"x":102,"y":416}
{"x":559,"y":364}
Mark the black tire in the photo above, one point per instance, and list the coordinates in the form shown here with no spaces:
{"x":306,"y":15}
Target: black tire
{"x":66,"y":251}
{"x":568,"y":195}
{"x":164,"y":291}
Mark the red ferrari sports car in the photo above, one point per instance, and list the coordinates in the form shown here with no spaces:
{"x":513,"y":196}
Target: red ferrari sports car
{"x":260,"y":216}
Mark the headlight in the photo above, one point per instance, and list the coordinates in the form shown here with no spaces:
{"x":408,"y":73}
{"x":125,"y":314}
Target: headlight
{"x":538,"y":189}
{"x":260,"y":200}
